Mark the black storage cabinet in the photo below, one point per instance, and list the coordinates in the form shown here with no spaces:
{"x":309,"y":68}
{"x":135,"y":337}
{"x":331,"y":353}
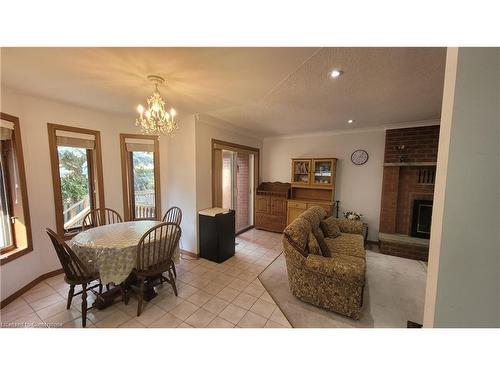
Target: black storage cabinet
{"x":217,"y":238}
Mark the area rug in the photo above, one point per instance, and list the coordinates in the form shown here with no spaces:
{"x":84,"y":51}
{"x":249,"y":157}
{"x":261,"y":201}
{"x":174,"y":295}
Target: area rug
{"x":394,"y":293}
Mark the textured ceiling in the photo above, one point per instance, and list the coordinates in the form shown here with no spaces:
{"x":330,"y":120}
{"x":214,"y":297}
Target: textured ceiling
{"x":269,"y":91}
{"x":379,"y":86}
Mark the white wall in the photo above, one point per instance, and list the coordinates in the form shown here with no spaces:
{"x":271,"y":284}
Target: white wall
{"x":34,"y":114}
{"x":358,"y":188}
{"x":180,"y":185}
{"x":464,"y":260}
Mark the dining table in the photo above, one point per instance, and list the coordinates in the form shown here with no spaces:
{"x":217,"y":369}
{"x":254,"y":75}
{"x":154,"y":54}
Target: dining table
{"x":111,"y":249}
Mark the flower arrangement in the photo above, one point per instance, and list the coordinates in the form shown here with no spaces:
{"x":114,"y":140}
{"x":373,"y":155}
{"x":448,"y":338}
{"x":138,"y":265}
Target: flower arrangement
{"x":352,"y":215}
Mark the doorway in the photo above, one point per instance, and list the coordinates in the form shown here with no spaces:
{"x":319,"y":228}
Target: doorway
{"x":234,"y":180}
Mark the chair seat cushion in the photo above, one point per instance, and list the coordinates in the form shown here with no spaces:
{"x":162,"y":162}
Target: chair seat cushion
{"x":348,"y":244}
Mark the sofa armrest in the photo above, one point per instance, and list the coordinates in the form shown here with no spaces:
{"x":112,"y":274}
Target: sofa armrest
{"x":350,"y":226}
{"x":344,"y":267}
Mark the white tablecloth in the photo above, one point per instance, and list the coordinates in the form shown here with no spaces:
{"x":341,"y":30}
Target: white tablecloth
{"x":112,"y":249}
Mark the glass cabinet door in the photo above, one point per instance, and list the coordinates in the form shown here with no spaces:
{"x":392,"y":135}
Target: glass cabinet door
{"x":323,"y":171}
{"x":301,"y":172}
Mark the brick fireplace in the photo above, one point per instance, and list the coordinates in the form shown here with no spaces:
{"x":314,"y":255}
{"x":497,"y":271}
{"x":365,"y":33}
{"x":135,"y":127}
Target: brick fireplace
{"x":408,"y":191}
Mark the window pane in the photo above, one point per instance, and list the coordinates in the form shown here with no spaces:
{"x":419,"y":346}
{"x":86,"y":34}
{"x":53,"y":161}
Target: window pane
{"x":75,"y":185}
{"x":144,"y":184}
{"x":6,"y":238}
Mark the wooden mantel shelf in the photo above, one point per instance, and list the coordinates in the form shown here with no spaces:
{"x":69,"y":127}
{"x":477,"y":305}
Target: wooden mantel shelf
{"x":412,"y":164}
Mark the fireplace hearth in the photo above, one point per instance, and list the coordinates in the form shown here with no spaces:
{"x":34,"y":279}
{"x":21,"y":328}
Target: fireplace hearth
{"x":421,"y":220}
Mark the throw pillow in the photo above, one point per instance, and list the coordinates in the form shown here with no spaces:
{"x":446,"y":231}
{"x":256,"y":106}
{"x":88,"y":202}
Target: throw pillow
{"x":325,"y":250}
{"x":313,"y":245}
{"x":330,"y":227}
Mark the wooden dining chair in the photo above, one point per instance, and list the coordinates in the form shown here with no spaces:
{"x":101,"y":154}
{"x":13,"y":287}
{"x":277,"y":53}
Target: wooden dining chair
{"x":173,"y":215}
{"x":154,"y":257}
{"x":76,"y":273}
{"x":100,"y":216}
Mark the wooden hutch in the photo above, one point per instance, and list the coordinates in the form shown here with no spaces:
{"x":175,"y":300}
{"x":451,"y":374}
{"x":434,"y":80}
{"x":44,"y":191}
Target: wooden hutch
{"x":270,"y":206}
{"x":312,"y":184}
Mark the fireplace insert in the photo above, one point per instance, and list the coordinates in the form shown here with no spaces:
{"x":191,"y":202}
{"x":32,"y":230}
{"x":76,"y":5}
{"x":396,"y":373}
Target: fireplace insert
{"x":421,"y":221}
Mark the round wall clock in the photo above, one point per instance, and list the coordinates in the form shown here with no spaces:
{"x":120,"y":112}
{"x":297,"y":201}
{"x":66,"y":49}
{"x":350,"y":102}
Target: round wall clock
{"x":359,"y":157}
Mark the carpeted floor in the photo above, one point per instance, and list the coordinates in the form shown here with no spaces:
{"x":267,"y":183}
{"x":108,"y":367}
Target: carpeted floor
{"x":394,"y":293}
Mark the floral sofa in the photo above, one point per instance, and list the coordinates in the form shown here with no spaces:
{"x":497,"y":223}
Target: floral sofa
{"x":335,"y":283}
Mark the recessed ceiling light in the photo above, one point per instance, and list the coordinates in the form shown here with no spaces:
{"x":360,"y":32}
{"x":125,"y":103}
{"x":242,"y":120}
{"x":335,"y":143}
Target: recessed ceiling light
{"x":336,"y":73}
{"x":350,"y":121}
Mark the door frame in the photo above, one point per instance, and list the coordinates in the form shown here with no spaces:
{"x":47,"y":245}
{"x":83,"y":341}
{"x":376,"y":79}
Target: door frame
{"x":217,"y":144}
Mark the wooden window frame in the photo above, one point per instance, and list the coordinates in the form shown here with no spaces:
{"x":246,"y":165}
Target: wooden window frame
{"x":56,"y":177}
{"x":215,"y":184}
{"x":11,"y":253}
{"x":127,"y":177}
{"x":8,"y":187}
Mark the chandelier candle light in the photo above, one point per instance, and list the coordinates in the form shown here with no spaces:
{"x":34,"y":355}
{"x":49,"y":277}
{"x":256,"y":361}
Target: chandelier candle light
{"x":155,"y":119}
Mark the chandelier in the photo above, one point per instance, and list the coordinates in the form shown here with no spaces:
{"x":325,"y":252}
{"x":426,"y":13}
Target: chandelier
{"x":155,"y":119}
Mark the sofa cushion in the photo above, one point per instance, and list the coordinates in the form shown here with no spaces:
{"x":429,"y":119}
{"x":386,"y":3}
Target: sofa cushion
{"x":297,"y":234}
{"x":348,"y":244}
{"x":350,"y":226}
{"x":325,"y":250}
{"x":329,"y":227}
{"x":339,"y":266}
{"x":313,"y":245}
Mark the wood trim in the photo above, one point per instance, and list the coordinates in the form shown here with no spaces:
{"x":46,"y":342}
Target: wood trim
{"x":189,"y":254}
{"x":14,"y":254}
{"x":99,"y":169}
{"x":217,"y":165}
{"x":28,"y":286}
{"x":245,"y":229}
{"x":125,"y":178}
{"x":234,"y":145}
{"x":126,"y":175}
{"x":10,"y":207}
{"x":56,"y":178}
{"x":21,"y":174}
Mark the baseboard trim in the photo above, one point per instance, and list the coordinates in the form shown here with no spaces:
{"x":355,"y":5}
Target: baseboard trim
{"x":244,"y":230}
{"x":189,"y":254}
{"x":28,"y":286}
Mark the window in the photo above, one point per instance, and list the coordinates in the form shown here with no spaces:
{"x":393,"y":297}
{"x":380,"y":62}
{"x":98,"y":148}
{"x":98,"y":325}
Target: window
{"x":15,"y":226}
{"x":6,"y":222}
{"x":140,"y":176}
{"x":77,"y":175}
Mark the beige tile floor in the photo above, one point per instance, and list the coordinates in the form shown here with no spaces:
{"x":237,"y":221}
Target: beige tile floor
{"x":210,"y":295}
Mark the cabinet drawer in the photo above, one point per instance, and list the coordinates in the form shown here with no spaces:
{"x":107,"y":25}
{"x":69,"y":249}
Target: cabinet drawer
{"x":292,"y":204}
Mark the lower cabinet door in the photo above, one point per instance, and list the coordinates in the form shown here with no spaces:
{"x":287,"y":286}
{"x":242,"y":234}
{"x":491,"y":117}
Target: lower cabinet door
{"x":262,"y":204}
{"x":270,"y":222}
{"x":278,"y":206}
